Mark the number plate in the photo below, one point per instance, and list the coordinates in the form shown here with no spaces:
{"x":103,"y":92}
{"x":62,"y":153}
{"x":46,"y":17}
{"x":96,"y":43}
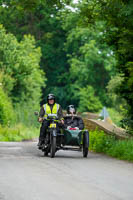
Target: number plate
{"x":52,"y":126}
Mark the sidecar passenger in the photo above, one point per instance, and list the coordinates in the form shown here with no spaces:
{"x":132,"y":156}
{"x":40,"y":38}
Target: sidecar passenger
{"x":71,"y":120}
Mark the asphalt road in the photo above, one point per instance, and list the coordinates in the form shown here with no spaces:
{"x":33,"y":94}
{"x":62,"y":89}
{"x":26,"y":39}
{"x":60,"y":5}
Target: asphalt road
{"x":25,"y":174}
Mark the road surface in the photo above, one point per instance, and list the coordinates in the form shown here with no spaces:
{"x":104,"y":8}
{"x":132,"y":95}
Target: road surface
{"x":25,"y":174}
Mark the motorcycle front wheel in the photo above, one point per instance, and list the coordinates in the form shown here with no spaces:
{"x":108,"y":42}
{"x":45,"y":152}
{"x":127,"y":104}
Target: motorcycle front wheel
{"x":53,"y":147}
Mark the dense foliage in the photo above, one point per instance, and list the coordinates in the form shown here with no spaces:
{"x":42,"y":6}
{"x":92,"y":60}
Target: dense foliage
{"x":17,"y":133}
{"x":66,"y":49}
{"x":19,"y":63}
{"x":91,"y":66}
{"x":6,"y":109}
{"x":102,"y":143}
{"x":117,"y":15}
{"x":41,"y":19}
{"x":82,"y":53}
{"x":20,"y":75}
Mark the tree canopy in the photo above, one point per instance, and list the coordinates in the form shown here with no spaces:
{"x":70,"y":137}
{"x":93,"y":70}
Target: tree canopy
{"x":71,"y":50}
{"x":20,"y":73}
{"x":117,"y":15}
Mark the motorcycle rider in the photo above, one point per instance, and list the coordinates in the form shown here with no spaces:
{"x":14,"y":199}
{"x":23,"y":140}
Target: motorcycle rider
{"x":71,"y":120}
{"x":51,"y":107}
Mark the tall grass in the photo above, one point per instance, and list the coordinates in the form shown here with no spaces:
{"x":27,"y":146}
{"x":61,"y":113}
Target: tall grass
{"x":23,"y":127}
{"x":25,"y":115}
{"x":18,"y":133}
{"x":102,"y":143}
{"x":115,"y":116}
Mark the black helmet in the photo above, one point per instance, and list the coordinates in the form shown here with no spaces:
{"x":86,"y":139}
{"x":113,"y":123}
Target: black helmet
{"x":50,"y":96}
{"x":71,"y":109}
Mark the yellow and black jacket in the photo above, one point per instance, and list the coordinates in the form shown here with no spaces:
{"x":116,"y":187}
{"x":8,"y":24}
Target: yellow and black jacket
{"x":51,"y":109}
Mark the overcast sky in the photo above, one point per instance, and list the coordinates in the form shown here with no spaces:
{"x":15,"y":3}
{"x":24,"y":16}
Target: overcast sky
{"x":75,"y":1}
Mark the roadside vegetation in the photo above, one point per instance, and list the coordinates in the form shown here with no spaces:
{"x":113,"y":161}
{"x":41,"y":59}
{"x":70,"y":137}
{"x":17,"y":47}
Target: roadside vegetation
{"x":18,"y":133}
{"x":115,"y":116}
{"x":21,"y":80}
{"x":80,"y":52}
{"x":103,"y":143}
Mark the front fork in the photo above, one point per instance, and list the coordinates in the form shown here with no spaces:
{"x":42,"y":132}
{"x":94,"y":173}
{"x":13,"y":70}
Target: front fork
{"x":50,"y":134}
{"x":53,"y":133}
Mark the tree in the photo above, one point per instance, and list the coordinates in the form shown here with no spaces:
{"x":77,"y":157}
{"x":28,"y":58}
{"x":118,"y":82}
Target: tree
{"x":118,"y":33}
{"x":88,"y":100}
{"x":41,"y":19}
{"x":22,"y":78}
{"x":91,"y":61}
{"x":7,"y":115}
{"x":113,"y":88}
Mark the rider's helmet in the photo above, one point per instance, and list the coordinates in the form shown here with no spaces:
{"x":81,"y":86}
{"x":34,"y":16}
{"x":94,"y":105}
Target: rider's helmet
{"x":50,"y":97}
{"x":71,"y":109}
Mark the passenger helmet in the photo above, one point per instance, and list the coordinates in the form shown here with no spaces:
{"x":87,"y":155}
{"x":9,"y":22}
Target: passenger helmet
{"x":50,"y":96}
{"x":71,"y":109}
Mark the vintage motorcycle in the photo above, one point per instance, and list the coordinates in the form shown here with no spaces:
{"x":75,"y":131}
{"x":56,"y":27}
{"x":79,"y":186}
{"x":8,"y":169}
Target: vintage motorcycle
{"x":64,"y":139}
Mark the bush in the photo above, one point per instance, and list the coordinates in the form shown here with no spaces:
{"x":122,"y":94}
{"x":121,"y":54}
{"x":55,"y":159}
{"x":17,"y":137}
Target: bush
{"x":25,"y":114}
{"x":115,"y":116}
{"x":99,"y":141}
{"x":122,"y":150}
{"x":7,"y":115}
{"x":88,"y":101}
{"x":18,"y":133}
{"x":102,"y":143}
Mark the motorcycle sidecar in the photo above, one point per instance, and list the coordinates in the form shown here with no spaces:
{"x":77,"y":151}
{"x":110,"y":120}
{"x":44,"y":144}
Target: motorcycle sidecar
{"x":76,"y":140}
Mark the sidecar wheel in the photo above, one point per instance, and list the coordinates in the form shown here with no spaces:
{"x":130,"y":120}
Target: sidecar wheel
{"x":53,"y":147}
{"x":85,"y":144}
{"x":85,"y":152}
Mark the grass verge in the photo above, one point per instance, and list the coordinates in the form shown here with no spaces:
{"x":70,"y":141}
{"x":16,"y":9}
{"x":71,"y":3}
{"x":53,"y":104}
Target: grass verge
{"x":18,"y":133}
{"x":102,"y":143}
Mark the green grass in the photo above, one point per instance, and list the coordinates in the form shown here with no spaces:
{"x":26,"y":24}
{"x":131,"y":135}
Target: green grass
{"x":115,"y":116}
{"x":122,"y":150}
{"x":102,"y":143}
{"x":18,"y":133}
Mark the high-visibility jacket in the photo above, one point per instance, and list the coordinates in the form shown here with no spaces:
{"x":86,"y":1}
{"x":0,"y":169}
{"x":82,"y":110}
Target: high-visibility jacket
{"x":47,"y":109}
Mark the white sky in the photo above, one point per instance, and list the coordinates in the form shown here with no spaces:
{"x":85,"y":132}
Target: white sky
{"x":73,"y":9}
{"x":75,"y":1}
